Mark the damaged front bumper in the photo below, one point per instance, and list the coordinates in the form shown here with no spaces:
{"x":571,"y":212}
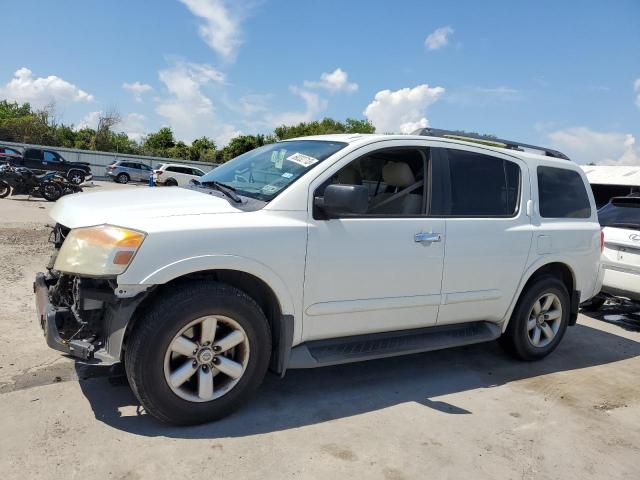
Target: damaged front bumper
{"x":83,"y":318}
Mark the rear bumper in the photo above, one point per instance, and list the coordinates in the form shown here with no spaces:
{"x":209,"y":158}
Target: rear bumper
{"x":621,"y":283}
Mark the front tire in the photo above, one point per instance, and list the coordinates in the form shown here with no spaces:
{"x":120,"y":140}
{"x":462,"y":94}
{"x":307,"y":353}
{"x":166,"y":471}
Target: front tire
{"x":539,"y":320}
{"x":198,"y":353}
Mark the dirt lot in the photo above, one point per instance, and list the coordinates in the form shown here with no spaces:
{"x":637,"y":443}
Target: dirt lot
{"x":465,"y":413}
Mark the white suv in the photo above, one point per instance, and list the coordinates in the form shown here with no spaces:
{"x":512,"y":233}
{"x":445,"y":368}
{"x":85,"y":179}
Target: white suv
{"x":620,"y":219}
{"x":320,"y":251}
{"x":175,"y":174}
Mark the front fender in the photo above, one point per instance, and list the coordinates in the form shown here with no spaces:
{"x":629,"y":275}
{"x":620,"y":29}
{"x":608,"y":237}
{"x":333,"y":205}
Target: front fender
{"x":202,"y":263}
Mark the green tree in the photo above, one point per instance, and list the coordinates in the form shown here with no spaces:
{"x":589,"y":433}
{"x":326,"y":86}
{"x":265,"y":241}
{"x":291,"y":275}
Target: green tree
{"x":323,"y":127}
{"x":179,"y":150}
{"x":158,"y":143}
{"x":242,"y":144}
{"x":202,"y":149}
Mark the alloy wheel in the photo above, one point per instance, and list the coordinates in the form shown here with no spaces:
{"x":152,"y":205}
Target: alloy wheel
{"x":544,"y":320}
{"x":206,"y":358}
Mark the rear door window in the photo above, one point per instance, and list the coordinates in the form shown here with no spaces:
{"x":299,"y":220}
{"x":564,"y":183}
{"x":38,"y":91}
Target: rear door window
{"x":33,"y":154}
{"x":562,"y":194}
{"x":479,"y":186}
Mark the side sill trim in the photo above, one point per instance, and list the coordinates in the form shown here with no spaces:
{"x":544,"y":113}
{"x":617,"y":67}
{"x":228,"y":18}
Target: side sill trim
{"x":370,"y":304}
{"x":474,"y":296}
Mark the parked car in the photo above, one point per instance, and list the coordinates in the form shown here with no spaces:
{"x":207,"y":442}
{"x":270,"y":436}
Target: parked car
{"x":9,"y":155}
{"x":620,"y":219}
{"x":41,"y":160}
{"x":320,"y":251}
{"x":126,"y":171}
{"x":172,"y":174}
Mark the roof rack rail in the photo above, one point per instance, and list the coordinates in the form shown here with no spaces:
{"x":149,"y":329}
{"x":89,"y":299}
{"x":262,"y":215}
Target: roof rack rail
{"x":487,"y":140}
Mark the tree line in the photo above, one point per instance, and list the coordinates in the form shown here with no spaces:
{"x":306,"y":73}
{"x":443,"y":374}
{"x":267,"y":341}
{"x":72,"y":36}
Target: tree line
{"x":22,"y":124}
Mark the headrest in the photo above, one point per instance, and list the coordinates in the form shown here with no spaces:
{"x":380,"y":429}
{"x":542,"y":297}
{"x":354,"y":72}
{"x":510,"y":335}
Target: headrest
{"x":398,"y":174}
{"x":349,"y":176}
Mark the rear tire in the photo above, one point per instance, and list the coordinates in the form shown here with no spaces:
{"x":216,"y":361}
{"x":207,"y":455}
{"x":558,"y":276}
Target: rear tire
{"x":171,"y":182}
{"x":152,"y":358}
{"x":51,"y":191}
{"x":547,"y":326}
{"x":122,"y":178}
{"x":5,"y":189}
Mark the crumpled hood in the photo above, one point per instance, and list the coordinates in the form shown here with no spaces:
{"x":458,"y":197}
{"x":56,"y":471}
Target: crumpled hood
{"x":126,"y":207}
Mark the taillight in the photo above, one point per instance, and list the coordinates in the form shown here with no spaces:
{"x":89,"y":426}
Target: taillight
{"x":601,"y":241}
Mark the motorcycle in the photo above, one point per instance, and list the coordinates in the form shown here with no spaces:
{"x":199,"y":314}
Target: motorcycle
{"x":67,"y":186}
{"x":22,"y":181}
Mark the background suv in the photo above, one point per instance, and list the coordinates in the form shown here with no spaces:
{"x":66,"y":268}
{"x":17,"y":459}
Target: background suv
{"x":319,"y":251}
{"x":172,"y":174}
{"x":620,"y":220}
{"x":126,"y":171}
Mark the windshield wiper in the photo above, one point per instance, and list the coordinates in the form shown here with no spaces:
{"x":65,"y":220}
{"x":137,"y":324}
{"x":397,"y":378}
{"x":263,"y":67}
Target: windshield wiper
{"x":221,"y":187}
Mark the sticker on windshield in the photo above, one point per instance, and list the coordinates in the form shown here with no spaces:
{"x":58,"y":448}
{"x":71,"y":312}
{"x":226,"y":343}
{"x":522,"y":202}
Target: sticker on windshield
{"x":302,"y":159}
{"x":269,"y":189}
{"x":278,"y":158}
{"x":287,"y":174}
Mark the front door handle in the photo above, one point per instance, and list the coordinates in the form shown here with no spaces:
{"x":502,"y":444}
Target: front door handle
{"x":424,"y":237}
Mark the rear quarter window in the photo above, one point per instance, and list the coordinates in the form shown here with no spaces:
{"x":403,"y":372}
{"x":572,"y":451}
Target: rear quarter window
{"x":562,"y":194}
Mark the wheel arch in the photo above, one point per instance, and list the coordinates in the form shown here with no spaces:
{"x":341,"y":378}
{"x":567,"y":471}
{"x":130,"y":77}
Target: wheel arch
{"x":558,"y":268}
{"x":276,"y":306}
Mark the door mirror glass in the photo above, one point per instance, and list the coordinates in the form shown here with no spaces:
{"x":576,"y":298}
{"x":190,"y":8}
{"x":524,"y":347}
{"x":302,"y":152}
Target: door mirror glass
{"x":344,"y":200}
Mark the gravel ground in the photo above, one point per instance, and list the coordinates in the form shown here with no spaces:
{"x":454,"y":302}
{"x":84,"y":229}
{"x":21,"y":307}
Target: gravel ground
{"x":464,"y":413}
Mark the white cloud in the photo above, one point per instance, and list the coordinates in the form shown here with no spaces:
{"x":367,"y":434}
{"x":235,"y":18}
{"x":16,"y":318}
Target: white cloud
{"x":133,"y":124}
{"x":253,"y":103}
{"x":483,"y":96}
{"x":402,"y":110}
{"x":438,"y":38}
{"x":188,"y":110}
{"x":137,"y":89}
{"x":636,"y":89}
{"x":336,"y":81}
{"x":313,"y":106}
{"x":220,"y":28}
{"x":90,"y":120}
{"x":584,"y":145}
{"x":40,"y":91}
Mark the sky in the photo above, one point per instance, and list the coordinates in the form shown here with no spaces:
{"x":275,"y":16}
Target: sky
{"x":564,"y":74}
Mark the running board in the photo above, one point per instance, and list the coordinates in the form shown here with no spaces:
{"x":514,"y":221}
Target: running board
{"x":334,"y":351}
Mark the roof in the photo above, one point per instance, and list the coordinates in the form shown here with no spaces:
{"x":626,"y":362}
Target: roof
{"x":363,"y":138}
{"x":612,"y":175}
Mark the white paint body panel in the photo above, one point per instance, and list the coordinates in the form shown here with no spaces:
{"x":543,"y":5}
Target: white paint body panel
{"x":621,"y":262}
{"x":351,"y":276}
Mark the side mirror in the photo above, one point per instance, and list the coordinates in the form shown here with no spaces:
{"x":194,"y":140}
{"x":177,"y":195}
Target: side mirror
{"x":343,"y":200}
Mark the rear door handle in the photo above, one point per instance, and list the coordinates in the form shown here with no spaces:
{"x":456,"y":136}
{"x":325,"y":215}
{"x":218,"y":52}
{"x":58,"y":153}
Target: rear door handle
{"x":424,"y":237}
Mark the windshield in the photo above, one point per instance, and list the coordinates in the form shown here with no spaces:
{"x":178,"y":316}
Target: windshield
{"x":622,"y":214}
{"x":264,"y":172}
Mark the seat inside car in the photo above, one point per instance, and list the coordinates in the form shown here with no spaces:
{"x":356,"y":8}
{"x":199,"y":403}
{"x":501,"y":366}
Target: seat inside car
{"x":397,"y":176}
